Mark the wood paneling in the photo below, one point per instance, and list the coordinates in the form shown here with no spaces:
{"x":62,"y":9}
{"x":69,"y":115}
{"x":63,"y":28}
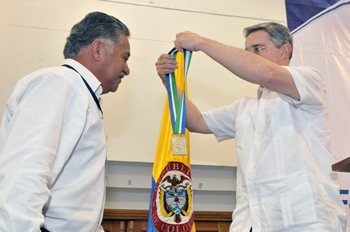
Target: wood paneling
{"x":342,"y":166}
{"x":136,"y":221}
{"x":123,"y":214}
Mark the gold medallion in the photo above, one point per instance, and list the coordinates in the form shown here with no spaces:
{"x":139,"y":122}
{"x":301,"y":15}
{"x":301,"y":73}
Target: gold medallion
{"x":179,"y":145}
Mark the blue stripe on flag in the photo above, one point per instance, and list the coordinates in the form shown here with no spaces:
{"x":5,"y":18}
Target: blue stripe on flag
{"x":185,"y":60}
{"x":299,"y":11}
{"x":318,"y":16}
{"x":172,"y":50}
{"x":183,"y":126}
{"x":344,"y":191}
{"x":171,"y":100}
{"x":345,"y":202}
{"x":150,"y":227}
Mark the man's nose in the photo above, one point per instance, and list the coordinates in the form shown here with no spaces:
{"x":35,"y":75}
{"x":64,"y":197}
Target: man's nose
{"x":127,"y":70}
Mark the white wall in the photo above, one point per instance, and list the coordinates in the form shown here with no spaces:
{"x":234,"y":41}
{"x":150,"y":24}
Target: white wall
{"x":129,"y":186}
{"x":32,"y":36}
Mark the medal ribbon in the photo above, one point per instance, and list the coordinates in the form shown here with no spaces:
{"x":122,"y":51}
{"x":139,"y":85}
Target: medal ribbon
{"x":177,"y":108}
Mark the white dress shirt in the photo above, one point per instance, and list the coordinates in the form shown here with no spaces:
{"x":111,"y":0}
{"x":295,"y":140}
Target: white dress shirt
{"x":52,"y":153}
{"x":284,"y":177}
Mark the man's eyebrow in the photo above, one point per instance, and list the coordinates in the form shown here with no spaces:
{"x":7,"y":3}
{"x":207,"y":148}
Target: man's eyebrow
{"x":254,"y":46}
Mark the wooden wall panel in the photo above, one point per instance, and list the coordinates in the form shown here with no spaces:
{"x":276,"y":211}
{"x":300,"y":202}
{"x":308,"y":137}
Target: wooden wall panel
{"x":136,"y":221}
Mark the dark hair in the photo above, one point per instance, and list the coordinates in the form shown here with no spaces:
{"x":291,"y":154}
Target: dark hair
{"x":279,"y":34}
{"x":95,"y":25}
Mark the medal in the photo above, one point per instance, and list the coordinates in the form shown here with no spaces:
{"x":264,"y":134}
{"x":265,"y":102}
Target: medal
{"x":178,"y":144}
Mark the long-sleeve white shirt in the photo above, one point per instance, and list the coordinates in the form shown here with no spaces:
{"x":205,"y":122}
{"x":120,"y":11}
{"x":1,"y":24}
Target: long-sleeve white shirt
{"x":52,"y":153}
{"x":284,"y":176}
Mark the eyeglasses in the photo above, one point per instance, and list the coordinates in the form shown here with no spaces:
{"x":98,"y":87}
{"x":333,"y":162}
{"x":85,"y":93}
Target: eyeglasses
{"x":257,"y":50}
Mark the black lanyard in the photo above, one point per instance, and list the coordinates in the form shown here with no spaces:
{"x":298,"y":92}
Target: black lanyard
{"x":88,"y":86}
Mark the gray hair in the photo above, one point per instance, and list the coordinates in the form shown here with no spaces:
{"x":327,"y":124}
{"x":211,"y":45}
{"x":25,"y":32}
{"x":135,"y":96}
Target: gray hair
{"x":95,"y":25}
{"x":279,"y":34}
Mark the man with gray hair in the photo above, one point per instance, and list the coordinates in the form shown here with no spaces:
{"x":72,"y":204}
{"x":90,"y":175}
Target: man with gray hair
{"x":52,"y":141}
{"x":284,"y":176}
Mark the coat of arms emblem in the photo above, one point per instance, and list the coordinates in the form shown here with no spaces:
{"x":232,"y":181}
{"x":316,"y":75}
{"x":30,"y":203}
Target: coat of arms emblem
{"x":172,"y":199}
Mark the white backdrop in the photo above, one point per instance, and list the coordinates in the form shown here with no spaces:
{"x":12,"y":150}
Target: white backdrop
{"x":323,"y":42}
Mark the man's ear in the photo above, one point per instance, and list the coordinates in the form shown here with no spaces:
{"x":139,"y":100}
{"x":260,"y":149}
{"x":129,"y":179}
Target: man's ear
{"x":286,"y":50}
{"x":96,"y":47}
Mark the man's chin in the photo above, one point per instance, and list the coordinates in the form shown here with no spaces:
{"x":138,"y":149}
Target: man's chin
{"x":115,"y":89}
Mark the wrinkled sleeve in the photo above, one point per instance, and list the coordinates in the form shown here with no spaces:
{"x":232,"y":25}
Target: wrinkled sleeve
{"x":33,"y":122}
{"x":222,"y":121}
{"x":311,"y":89}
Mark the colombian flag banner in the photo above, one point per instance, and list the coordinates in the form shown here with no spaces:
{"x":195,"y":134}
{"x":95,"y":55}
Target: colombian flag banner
{"x":171,"y":204}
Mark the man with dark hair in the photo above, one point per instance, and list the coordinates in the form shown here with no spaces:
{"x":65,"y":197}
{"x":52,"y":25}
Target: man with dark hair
{"x":284,"y":176}
{"x":52,"y":141}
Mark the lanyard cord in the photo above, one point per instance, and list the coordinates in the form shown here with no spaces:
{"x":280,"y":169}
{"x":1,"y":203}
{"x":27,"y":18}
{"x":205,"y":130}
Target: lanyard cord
{"x":88,"y":86}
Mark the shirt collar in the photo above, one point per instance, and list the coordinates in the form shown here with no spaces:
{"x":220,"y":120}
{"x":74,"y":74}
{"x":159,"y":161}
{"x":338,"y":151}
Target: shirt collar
{"x":90,"y":78}
{"x":260,"y":91}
